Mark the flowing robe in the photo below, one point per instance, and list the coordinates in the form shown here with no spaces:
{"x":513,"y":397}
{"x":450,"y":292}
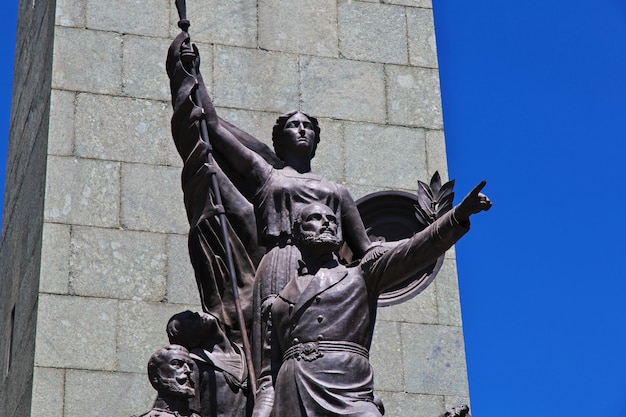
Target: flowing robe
{"x":259,"y":219}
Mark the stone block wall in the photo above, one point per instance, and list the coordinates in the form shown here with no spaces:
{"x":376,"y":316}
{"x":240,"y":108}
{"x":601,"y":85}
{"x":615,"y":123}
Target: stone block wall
{"x":114,"y":264}
{"x":20,"y":245}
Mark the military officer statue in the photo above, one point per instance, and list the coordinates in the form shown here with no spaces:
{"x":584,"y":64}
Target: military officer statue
{"x":170,"y":370}
{"x":321,"y":323}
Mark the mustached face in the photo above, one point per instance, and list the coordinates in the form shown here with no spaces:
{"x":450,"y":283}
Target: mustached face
{"x":319,"y":226}
{"x":175,"y":374}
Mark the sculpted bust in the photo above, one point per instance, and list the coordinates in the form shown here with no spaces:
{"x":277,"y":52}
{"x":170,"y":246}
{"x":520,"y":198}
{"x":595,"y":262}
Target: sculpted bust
{"x":170,"y":370}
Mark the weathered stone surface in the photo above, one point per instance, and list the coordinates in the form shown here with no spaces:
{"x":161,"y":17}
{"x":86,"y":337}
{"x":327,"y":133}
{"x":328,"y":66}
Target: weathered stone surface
{"x":19,"y":318}
{"x":70,"y":13}
{"x":115,"y":263}
{"x":181,"y":281}
{"x":357,"y":191}
{"x":330,"y":155}
{"x":399,"y":160}
{"x":454,"y":401}
{"x":413,"y":97}
{"x":258,"y":124}
{"x":82,"y":191}
{"x":232,"y":22}
{"x":48,"y":390}
{"x":55,"y":255}
{"x":20,"y":248}
{"x":152,"y":199}
{"x":386,"y":357}
{"x":142,"y":332}
{"x":91,"y":322}
{"x":144,"y":73}
{"x":145,"y":17}
{"x":448,"y":295}
{"x":262,"y":89}
{"x":436,"y":154}
{"x":373,"y":32}
{"x":428,"y":4}
{"x":23,"y":408}
{"x":87,"y":60}
{"x":435,"y":357}
{"x":342,"y":89}
{"x":421,"y":30}
{"x":61,"y":128}
{"x":420,"y":309}
{"x":400,"y":404}
{"x":16,"y":397}
{"x":124,"y":129}
{"x":451,"y":253}
{"x":301,"y":27}
{"x":88,"y":391}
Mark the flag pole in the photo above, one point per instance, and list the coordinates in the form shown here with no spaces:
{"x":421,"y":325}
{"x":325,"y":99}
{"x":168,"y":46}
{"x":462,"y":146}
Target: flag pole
{"x":184,"y":24}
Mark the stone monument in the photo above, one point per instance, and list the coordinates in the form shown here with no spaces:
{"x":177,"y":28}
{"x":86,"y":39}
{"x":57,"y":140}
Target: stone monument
{"x":94,"y":248}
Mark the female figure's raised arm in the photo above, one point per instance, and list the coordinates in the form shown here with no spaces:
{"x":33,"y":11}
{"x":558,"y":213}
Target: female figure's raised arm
{"x":181,"y":58}
{"x":352,"y":226}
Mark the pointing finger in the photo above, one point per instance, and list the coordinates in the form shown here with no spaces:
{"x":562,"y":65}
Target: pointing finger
{"x":479,"y":187}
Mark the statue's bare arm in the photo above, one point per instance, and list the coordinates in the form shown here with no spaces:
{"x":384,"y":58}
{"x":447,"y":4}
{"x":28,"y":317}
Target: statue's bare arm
{"x":352,"y":225}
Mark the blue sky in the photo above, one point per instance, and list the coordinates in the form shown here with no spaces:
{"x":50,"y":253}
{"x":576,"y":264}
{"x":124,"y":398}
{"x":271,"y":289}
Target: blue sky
{"x":534,"y":98}
{"x":8,"y":22}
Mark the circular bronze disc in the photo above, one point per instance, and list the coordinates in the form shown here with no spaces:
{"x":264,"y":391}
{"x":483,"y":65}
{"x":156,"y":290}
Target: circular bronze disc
{"x":390,"y":216}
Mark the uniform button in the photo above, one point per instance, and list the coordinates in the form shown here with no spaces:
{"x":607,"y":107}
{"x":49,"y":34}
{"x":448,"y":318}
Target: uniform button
{"x":296,"y":340}
{"x":320,"y":337}
{"x":320,"y":319}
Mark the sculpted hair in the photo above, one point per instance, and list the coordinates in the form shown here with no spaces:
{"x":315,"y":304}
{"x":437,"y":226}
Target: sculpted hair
{"x":297,"y":222}
{"x":157,"y":359}
{"x":278,"y":135}
{"x":173,"y":328}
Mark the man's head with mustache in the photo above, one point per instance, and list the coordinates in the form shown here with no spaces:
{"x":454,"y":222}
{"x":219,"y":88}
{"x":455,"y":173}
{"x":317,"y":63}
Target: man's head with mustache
{"x":170,"y":371}
{"x":317,"y":225}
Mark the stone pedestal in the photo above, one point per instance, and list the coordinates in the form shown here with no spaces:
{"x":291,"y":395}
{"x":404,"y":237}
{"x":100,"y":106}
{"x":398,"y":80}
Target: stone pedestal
{"x":94,"y":257}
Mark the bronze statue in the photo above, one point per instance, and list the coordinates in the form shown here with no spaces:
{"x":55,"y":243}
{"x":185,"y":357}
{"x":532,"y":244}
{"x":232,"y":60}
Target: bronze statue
{"x":460,"y":411}
{"x":222,"y":388}
{"x":263,"y":195}
{"x":170,"y":370}
{"x":322,"y":321}
{"x":243,"y":201}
